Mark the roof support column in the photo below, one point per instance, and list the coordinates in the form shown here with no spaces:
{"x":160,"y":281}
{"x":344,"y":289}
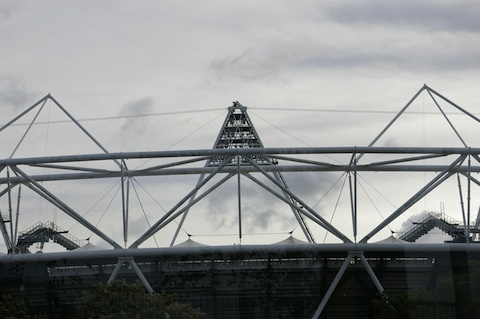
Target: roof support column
{"x":239,"y":200}
{"x":333,"y":285}
{"x":125,"y":200}
{"x":339,"y":276}
{"x":10,"y":208}
{"x":469,"y":182}
{"x":133,"y":264}
{"x":370,"y":272}
{"x":353,"y":194}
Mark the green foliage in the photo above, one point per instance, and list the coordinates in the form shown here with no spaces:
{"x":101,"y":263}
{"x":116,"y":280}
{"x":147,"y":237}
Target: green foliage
{"x":15,"y":308}
{"x":457,"y":294}
{"x":119,"y":300}
{"x":12,"y":308}
{"x":391,"y":306}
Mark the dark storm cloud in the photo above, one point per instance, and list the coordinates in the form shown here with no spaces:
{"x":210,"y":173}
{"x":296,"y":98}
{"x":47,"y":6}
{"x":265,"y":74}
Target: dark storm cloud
{"x":13,"y":93}
{"x":446,"y":16}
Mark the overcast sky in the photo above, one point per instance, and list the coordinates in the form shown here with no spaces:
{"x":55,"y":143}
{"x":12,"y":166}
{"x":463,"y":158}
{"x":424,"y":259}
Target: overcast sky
{"x":184,"y":62}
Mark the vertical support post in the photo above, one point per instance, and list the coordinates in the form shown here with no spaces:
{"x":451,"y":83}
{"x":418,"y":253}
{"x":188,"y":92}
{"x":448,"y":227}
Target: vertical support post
{"x":127,"y":210}
{"x":14,"y":243}
{"x":239,"y":200}
{"x":463,"y":207}
{"x":355,"y":198}
{"x":352,"y":204}
{"x":10,"y":214}
{"x":3,"y":229}
{"x":353,"y":194}
{"x":125,"y":201}
{"x":468,"y":197}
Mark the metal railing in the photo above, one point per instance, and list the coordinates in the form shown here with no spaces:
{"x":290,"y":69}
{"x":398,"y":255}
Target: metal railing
{"x":442,"y":221}
{"x":51,"y":230}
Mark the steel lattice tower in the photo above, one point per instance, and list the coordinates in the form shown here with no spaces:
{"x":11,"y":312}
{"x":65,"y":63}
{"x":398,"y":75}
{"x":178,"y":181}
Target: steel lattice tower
{"x":237,"y":132}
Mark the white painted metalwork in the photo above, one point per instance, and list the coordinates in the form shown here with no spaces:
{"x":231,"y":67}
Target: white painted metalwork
{"x":238,"y":151}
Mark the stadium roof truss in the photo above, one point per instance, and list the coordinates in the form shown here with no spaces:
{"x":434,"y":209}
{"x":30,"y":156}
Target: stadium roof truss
{"x":238,"y":151}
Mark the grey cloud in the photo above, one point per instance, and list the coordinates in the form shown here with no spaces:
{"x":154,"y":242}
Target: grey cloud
{"x":246,"y":66}
{"x":391,"y":142}
{"x":278,"y":61}
{"x":261,"y":210}
{"x":6,"y":10}
{"x":349,"y":59}
{"x":406,"y":224}
{"x":14,"y":93}
{"x":137,"y":227}
{"x":262,"y":219}
{"x":310,"y":185}
{"x":222,"y":205}
{"x":136,"y":125}
{"x":436,"y":52}
{"x":453,"y":16}
{"x":138,"y":107}
{"x":268,"y":218}
{"x":436,"y":37}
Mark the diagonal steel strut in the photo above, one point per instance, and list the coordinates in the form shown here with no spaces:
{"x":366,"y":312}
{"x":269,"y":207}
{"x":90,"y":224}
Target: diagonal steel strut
{"x":39,"y":189}
{"x":153,"y":228}
{"x":439,"y":179}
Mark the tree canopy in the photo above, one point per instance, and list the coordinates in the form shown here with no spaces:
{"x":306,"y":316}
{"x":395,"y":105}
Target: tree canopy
{"x":120,"y":300}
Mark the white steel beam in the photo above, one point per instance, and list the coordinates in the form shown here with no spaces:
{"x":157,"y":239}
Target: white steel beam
{"x":42,"y":191}
{"x":440,"y":178}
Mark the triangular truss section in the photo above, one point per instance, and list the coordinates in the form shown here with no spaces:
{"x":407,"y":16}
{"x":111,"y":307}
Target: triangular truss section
{"x":436,"y":99}
{"x":35,"y":111}
{"x":236,"y":132}
{"x":22,"y":172}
